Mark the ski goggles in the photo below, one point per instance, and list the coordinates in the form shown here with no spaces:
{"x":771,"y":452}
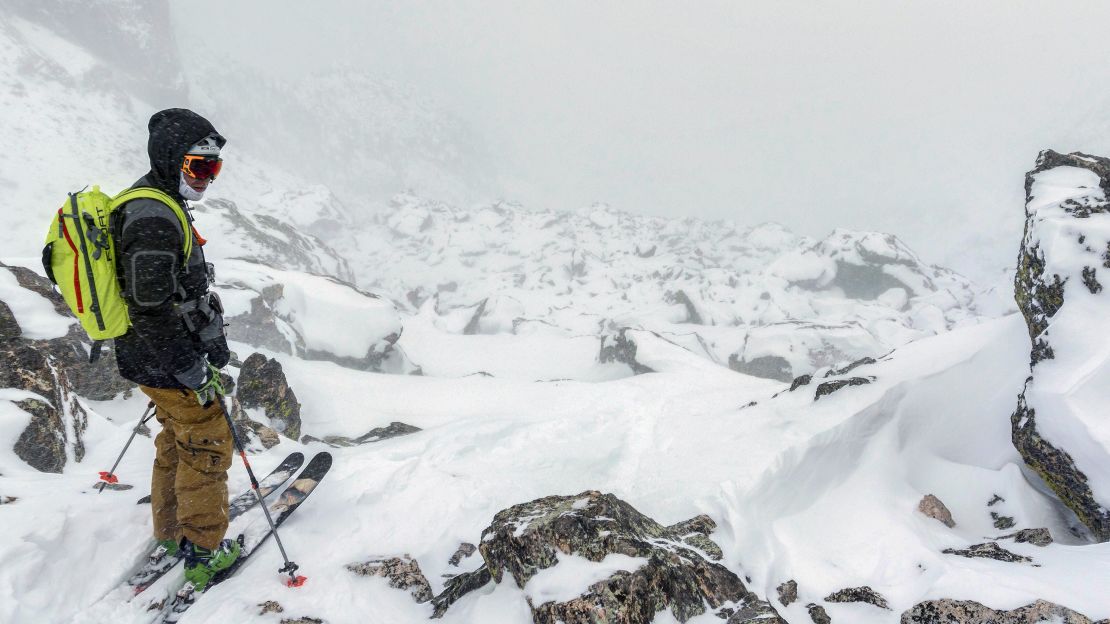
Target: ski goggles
{"x":202,"y":167}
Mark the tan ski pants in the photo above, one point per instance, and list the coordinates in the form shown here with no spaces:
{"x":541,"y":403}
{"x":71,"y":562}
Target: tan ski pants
{"x":188,"y":491}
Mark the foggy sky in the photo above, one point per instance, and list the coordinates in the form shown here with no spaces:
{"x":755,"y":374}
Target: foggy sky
{"x":914,"y":118}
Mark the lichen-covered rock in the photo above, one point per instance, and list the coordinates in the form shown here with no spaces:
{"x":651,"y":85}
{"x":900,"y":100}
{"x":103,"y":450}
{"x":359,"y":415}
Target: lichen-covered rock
{"x":254,"y":435}
{"x":680,"y":572}
{"x":1066,"y":240}
{"x":262,"y":383}
{"x":933,"y":507}
{"x":270,"y":606}
{"x":989,"y":550}
{"x":818,"y":614}
{"x":788,"y":592}
{"x":1036,"y":537}
{"x":971,"y":612}
{"x":376,"y":434}
{"x":402,"y":572}
{"x":458,"y":586}
{"x":462,"y":552}
{"x":859,"y":594}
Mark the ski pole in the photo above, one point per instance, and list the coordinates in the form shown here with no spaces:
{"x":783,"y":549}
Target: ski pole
{"x":110,"y":476}
{"x":289,"y":567}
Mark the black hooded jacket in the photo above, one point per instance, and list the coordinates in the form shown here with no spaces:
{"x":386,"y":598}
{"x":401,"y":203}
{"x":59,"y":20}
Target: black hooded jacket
{"x":159,"y":350}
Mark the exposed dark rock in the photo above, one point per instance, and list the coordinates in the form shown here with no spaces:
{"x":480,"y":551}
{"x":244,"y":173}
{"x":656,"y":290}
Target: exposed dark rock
{"x":621,"y":348}
{"x":989,"y":550}
{"x":865,"y":281}
{"x":303,"y":620}
{"x":680,"y":574}
{"x":830,"y":387}
{"x":1036,"y":537}
{"x":262,"y":383}
{"x":9,"y":327}
{"x":680,"y":297}
{"x":1040,"y":295}
{"x":5,"y":500}
{"x":995,"y":500}
{"x":119,"y":487}
{"x":254,"y":435}
{"x":458,"y":586}
{"x":859,"y":594}
{"x":969,"y":612}
{"x":1091,"y":281}
{"x":402,"y":572}
{"x":766,"y":366}
{"x":57,"y":425}
{"x":1002,"y":522}
{"x":462,"y":552}
{"x":818,"y":614}
{"x":378,"y":434}
{"x":753,"y":612}
{"x":788,"y":592}
{"x":933,"y":507}
{"x":99,"y":381}
{"x":474,"y":325}
{"x":270,"y":606}
{"x":799,"y":381}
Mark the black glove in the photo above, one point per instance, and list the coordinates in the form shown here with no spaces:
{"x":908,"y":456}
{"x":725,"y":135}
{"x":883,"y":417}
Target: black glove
{"x":206,"y":321}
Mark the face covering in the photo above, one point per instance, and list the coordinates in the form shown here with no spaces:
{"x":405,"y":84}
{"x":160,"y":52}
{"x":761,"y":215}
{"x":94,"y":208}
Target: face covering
{"x":187,"y":191}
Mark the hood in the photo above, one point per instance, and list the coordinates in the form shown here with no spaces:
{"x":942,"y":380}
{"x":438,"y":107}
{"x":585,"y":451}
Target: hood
{"x":172,"y":132}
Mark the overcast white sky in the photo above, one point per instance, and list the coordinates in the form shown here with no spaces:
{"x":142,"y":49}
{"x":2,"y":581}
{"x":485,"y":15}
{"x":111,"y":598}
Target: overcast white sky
{"x":918,"y":118}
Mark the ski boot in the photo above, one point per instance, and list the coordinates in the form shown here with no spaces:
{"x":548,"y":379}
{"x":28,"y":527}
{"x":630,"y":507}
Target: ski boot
{"x":202,"y":564}
{"x":165,"y":549}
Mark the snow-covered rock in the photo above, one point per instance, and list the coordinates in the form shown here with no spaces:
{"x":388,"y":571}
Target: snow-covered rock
{"x":762,"y":299}
{"x":315,"y":317}
{"x":1060,"y":424}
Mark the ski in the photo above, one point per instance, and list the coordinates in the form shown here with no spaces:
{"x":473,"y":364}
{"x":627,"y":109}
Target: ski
{"x":158,"y":562}
{"x":257,"y":532}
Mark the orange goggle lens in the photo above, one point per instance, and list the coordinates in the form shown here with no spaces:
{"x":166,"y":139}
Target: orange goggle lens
{"x":202,"y":167}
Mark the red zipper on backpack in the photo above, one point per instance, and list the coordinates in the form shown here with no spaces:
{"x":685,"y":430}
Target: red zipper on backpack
{"x":76,"y":255}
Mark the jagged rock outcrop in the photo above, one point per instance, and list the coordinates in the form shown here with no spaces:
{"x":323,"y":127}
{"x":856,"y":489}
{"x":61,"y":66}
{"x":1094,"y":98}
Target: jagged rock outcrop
{"x":788,"y":592}
{"x":262,"y":384}
{"x":1037,"y":537}
{"x":818,"y":614}
{"x":402,"y":572}
{"x":679,"y":569}
{"x":988,"y":550}
{"x":859,"y":594}
{"x":971,"y":612}
{"x":829,"y":387}
{"x":38,"y":374}
{"x":376,"y":434}
{"x":98,"y":381}
{"x":621,"y":347}
{"x":1066,"y":243}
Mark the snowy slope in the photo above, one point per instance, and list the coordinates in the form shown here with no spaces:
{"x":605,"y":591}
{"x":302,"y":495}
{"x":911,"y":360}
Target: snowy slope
{"x":824,"y":493}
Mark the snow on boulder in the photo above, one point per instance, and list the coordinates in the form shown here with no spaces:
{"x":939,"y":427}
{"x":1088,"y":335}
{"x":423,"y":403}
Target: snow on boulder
{"x":971,"y":612}
{"x":786,"y":350}
{"x":1060,"y":425}
{"x":311,"y":316}
{"x":593,"y":557}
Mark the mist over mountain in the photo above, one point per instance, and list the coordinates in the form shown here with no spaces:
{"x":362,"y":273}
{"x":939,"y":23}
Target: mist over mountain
{"x":563,"y":410}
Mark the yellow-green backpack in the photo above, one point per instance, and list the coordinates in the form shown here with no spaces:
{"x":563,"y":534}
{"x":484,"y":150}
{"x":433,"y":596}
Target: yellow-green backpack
{"x":80,"y":258}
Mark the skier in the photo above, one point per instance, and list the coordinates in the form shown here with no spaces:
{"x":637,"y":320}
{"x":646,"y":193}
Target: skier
{"x":176,"y":346}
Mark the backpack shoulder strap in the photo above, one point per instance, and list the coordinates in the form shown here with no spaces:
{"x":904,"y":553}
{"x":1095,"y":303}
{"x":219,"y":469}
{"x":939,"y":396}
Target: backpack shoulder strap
{"x":144,"y":192}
